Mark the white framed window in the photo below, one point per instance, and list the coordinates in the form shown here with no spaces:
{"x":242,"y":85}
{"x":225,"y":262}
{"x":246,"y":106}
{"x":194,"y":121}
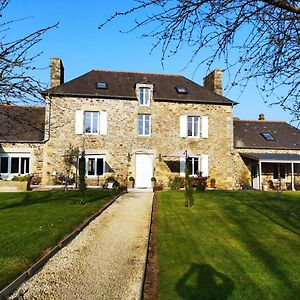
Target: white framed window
{"x":14,"y":163}
{"x":144,"y":124}
{"x":194,"y":165}
{"x":193,"y":126}
{"x":94,"y":165}
{"x":144,"y":96}
{"x":91,"y":122}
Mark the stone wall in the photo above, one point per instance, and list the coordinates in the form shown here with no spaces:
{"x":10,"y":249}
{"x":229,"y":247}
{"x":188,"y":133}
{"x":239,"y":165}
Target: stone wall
{"x":121,"y":142}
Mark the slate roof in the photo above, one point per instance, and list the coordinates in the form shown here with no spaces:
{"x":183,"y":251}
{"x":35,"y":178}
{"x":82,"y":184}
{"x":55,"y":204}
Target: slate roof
{"x":22,"y":123}
{"x":248,"y":134}
{"x":121,"y":85}
{"x":273,"y":156}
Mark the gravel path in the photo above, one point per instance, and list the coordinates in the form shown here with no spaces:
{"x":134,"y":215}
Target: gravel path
{"x":105,"y":261}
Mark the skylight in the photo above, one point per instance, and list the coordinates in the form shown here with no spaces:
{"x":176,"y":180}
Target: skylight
{"x":101,"y":85}
{"x":268,"y":136}
{"x":181,"y":90}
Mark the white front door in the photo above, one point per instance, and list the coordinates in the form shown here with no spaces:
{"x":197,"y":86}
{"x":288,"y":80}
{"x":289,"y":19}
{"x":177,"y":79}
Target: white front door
{"x":143,"y":170}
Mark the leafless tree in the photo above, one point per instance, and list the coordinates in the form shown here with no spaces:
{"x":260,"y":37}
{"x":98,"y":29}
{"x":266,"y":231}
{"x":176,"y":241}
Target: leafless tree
{"x":17,"y":86}
{"x":254,"y":39}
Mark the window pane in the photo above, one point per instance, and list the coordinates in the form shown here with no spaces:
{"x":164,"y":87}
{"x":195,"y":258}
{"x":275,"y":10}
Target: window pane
{"x":91,"y":166}
{"x":24,"y":165}
{"x":144,"y":95}
{"x":196,"y":165}
{"x":147,"y":124}
{"x":282,"y":172}
{"x":140,"y":124}
{"x":95,"y":122}
{"x":196,"y":126}
{"x":14,"y":165}
{"x":99,"y":166}
{"x":88,"y":120}
{"x":4,"y":165}
{"x":190,"y":126}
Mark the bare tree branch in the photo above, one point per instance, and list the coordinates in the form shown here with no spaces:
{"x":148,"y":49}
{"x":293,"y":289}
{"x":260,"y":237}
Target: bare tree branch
{"x":17,"y":86}
{"x":255,"y":39}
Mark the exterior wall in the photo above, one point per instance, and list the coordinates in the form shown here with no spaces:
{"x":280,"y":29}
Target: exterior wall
{"x":242,"y":167}
{"x":36,"y":154}
{"x":122,"y":142}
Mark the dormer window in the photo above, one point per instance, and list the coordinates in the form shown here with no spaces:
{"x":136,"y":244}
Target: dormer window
{"x":181,"y":90}
{"x":101,"y":85}
{"x":268,"y":136}
{"x":144,"y":96}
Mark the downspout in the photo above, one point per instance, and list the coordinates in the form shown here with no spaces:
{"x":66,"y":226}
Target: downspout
{"x":232,"y":150}
{"x":49,"y":118}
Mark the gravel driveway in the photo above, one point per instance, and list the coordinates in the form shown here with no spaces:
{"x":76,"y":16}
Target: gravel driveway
{"x":105,"y":261}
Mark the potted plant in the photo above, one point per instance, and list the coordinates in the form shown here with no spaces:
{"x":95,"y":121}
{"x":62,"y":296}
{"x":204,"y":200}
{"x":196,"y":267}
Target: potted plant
{"x":131,"y":182}
{"x":153,"y":181}
{"x":110,"y":182}
{"x":213,"y":183}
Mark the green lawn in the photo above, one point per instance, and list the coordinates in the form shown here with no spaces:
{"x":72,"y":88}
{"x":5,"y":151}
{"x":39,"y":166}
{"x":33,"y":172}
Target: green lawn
{"x":32,"y":222}
{"x":229,"y":245}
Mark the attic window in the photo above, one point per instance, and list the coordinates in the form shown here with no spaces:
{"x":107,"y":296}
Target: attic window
{"x":181,"y":90}
{"x":268,"y":136}
{"x":101,"y":85}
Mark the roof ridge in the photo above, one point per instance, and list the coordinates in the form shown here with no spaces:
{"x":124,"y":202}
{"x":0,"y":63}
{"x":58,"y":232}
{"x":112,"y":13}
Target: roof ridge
{"x":26,"y":106}
{"x":261,"y":121}
{"x":134,"y":72}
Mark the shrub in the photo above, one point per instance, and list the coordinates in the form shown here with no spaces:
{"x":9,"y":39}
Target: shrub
{"x":112,"y":179}
{"x":176,"y":183}
{"x":200,"y":182}
{"x":20,"y":178}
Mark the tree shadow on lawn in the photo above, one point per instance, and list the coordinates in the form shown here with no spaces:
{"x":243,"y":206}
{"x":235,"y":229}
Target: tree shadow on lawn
{"x":202,"y":281}
{"x":275,"y":210}
{"x":260,"y":250}
{"x":282,"y":209}
{"x":33,"y":198}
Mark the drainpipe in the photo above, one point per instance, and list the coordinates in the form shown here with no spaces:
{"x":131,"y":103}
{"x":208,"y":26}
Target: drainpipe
{"x":232,"y":150}
{"x":49,"y":118}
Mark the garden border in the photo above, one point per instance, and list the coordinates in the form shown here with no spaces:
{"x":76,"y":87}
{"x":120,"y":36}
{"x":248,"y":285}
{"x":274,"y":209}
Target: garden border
{"x":9,"y":289}
{"x":147,"y":253}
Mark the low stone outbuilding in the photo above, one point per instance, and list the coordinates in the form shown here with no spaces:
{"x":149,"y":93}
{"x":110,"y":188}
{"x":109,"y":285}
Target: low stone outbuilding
{"x":267,"y":154}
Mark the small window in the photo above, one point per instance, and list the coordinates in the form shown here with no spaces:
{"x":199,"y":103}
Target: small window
{"x":181,"y":90}
{"x":279,"y":172}
{"x":193,"y":126}
{"x":91,"y":122}
{"x":94,"y":165}
{"x":268,"y":136}
{"x":194,"y":165}
{"x":101,"y":85}
{"x":14,"y":164}
{"x":4,"y":165}
{"x":144,"y":124}
{"x":144,"y":96}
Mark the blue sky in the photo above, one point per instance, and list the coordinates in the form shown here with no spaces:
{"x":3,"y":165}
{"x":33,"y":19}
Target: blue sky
{"x":82,"y":47}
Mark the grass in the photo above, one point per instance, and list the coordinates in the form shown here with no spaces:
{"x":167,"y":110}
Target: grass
{"x":32,"y":222}
{"x":229,"y":245}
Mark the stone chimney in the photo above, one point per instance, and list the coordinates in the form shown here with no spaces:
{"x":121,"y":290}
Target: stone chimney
{"x":213,"y":81}
{"x":57,"y":72}
{"x":261,"y":117}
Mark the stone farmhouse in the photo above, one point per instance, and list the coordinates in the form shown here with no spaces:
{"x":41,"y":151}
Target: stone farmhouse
{"x":143,"y":125}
